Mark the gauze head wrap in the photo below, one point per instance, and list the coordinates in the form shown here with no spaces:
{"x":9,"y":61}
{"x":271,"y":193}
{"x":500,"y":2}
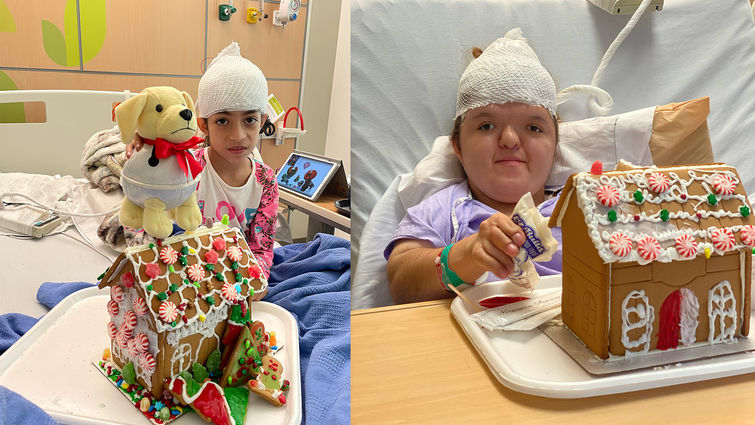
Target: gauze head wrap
{"x":507,"y":71}
{"x":231,"y":83}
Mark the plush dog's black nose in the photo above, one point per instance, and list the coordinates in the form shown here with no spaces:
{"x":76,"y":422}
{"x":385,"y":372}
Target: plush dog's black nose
{"x":185,"y":114}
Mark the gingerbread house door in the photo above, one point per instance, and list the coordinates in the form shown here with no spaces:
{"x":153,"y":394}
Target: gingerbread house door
{"x":637,"y":322}
{"x":678,"y":319}
{"x":722,"y":313}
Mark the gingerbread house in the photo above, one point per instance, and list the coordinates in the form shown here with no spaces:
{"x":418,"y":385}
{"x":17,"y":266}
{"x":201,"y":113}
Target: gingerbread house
{"x":655,"y":258}
{"x":170,"y":302}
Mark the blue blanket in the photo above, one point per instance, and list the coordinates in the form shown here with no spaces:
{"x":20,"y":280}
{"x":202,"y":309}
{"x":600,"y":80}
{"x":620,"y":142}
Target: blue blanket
{"x":310,"y":280}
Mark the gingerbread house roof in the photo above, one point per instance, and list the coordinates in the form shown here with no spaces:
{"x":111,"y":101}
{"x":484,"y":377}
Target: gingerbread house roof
{"x":187,"y":278}
{"x":645,"y":214}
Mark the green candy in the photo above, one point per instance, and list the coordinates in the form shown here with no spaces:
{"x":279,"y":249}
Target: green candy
{"x":239,"y":277}
{"x":213,"y":362}
{"x":200,"y":372}
{"x":171,"y":268}
{"x":185,"y":250}
{"x":664,"y":215}
{"x":638,"y":196}
{"x":129,"y":375}
{"x":712,"y":199}
{"x":235,"y":265}
{"x":744,"y":210}
{"x":209,"y":267}
{"x":210,"y":300}
{"x":219,"y":276}
{"x":611,"y":216}
{"x":149,"y":287}
{"x":173,"y":287}
{"x":182,"y":260}
{"x":162,"y":296}
{"x":151,"y":245}
{"x":225,"y":220}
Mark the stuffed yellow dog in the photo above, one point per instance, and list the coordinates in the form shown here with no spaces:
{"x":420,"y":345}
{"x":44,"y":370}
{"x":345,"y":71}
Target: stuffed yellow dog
{"x":160,"y":180}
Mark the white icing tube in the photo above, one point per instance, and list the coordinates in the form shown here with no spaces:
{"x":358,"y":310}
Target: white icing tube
{"x":539,"y":243}
{"x":500,"y":318}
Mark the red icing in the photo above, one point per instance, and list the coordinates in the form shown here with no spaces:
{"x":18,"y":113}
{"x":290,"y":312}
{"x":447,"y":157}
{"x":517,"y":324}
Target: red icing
{"x":255,"y":271}
{"x":211,"y":257}
{"x":499,"y":300}
{"x":282,"y":399}
{"x":668,"y":333}
{"x":152,"y":270}
{"x":211,"y":404}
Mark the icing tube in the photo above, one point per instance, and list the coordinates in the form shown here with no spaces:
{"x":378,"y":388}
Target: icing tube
{"x":502,"y":317}
{"x":539,"y":244}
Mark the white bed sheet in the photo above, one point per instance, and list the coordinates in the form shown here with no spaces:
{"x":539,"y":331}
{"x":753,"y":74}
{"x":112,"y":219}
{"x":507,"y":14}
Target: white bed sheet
{"x":407,"y":57}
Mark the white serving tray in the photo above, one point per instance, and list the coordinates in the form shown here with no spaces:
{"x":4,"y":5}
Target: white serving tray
{"x":51,"y":365}
{"x":531,"y":363}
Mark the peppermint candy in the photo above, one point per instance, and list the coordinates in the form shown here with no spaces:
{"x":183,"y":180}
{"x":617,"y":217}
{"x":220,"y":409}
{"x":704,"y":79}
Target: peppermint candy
{"x":116,"y":293}
{"x":124,"y":330}
{"x":112,"y":330}
{"x":168,"y":255}
{"x":686,"y":246}
{"x":140,"y":306}
{"x":658,"y":182}
{"x":620,"y":244}
{"x":218,"y":243}
{"x":133,"y":348}
{"x":608,"y":195}
{"x":229,"y":292}
{"x":234,"y":253}
{"x":129,"y":320}
{"x":195,"y":272}
{"x":112,"y":308}
{"x":723,"y":184}
{"x":649,"y":248}
{"x":121,"y":340}
{"x":747,"y":233}
{"x":168,"y":311}
{"x":142,"y":341}
{"x":723,"y":239}
{"x":147,"y":362}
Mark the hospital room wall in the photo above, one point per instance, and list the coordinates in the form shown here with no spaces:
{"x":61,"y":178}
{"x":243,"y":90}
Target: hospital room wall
{"x":141,"y":43}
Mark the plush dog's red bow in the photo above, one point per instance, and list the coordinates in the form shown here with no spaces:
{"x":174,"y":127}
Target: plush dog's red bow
{"x":164,"y":149}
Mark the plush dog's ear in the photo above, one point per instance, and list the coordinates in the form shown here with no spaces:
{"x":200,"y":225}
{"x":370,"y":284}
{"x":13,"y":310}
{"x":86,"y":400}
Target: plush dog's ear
{"x":127,"y":115}
{"x":189,"y":102}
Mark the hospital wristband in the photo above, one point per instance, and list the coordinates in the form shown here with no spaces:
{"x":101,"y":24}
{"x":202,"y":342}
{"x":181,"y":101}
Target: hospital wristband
{"x":446,"y":276}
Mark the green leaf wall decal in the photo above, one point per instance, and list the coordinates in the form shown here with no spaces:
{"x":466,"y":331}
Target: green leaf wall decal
{"x":55,"y":44}
{"x":93,"y":26}
{"x":10,"y":112}
{"x":71,"y":30}
{"x":7,"y":24}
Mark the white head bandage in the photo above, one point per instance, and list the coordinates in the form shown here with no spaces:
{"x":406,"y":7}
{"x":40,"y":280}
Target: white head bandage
{"x":231,"y":83}
{"x":507,"y":71}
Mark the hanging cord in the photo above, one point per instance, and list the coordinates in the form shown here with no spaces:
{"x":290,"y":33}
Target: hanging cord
{"x":600,"y":101}
{"x":57,"y":211}
{"x":298,"y":112}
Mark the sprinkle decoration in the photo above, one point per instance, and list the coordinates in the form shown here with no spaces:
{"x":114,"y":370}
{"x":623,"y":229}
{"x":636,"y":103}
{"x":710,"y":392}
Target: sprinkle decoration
{"x":112,"y":308}
{"x":744,"y":210}
{"x":638,"y":196}
{"x":712,"y":199}
{"x":664,"y":214}
{"x":707,"y":253}
{"x":116,"y":293}
{"x":195,"y":272}
{"x":147,"y":361}
{"x":168,"y":255}
{"x":143,"y":341}
{"x":129,"y":319}
{"x":649,"y":248}
{"x":234,"y":253}
{"x":686,"y":246}
{"x":168,"y":311}
{"x":658,"y":182}
{"x":620,"y":244}
{"x":152,"y":270}
{"x":608,"y":195}
{"x":229,"y":292}
{"x":611,"y":216}
{"x":218,"y":243}
{"x":723,"y":239}
{"x":112,"y":330}
{"x":723,"y":184}
{"x":747,"y":233}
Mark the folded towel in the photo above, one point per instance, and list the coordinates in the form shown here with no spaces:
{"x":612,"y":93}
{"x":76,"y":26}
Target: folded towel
{"x":12,"y":327}
{"x":51,"y":293}
{"x":16,"y":410}
{"x":102,"y":157}
{"x":312,"y":281}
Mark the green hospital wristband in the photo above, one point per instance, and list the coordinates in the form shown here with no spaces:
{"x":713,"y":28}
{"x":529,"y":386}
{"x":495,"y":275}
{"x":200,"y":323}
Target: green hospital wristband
{"x":449,"y":277}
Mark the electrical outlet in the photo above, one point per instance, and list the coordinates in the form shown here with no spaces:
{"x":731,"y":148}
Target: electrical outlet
{"x":276,"y":19}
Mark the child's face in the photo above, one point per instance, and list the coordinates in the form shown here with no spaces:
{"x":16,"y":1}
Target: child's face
{"x":507,"y":150}
{"x":233,"y":134}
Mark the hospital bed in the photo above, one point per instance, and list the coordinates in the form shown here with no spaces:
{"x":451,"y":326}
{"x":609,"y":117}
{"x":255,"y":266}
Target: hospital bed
{"x":407,"y":58}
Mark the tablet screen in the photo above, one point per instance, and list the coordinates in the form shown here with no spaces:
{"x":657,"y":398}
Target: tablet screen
{"x":303,"y":175}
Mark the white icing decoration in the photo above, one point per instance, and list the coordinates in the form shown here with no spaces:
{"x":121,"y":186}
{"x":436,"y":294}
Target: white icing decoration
{"x":600,"y":228}
{"x":690,"y":309}
{"x":645,"y":313}
{"x":719,"y":297}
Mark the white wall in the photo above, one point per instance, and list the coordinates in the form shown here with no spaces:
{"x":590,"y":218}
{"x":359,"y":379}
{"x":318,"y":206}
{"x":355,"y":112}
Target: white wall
{"x":338,"y":141}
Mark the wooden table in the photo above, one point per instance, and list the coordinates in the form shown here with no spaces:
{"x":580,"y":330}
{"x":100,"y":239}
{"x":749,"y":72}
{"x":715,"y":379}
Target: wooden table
{"x":413,"y":364}
{"x":323,"y":215}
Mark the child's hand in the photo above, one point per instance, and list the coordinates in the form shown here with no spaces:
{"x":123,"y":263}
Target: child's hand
{"x":490,"y":249}
{"x":134,"y":146}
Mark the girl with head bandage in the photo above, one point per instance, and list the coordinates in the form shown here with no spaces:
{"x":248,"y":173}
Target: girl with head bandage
{"x":505,"y":134}
{"x":231,"y":105}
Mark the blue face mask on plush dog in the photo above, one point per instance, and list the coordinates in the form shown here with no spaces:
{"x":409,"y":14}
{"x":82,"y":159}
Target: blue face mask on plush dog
{"x":160,"y":180}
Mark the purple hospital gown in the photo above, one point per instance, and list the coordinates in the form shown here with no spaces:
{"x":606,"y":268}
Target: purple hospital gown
{"x":433,"y":220}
